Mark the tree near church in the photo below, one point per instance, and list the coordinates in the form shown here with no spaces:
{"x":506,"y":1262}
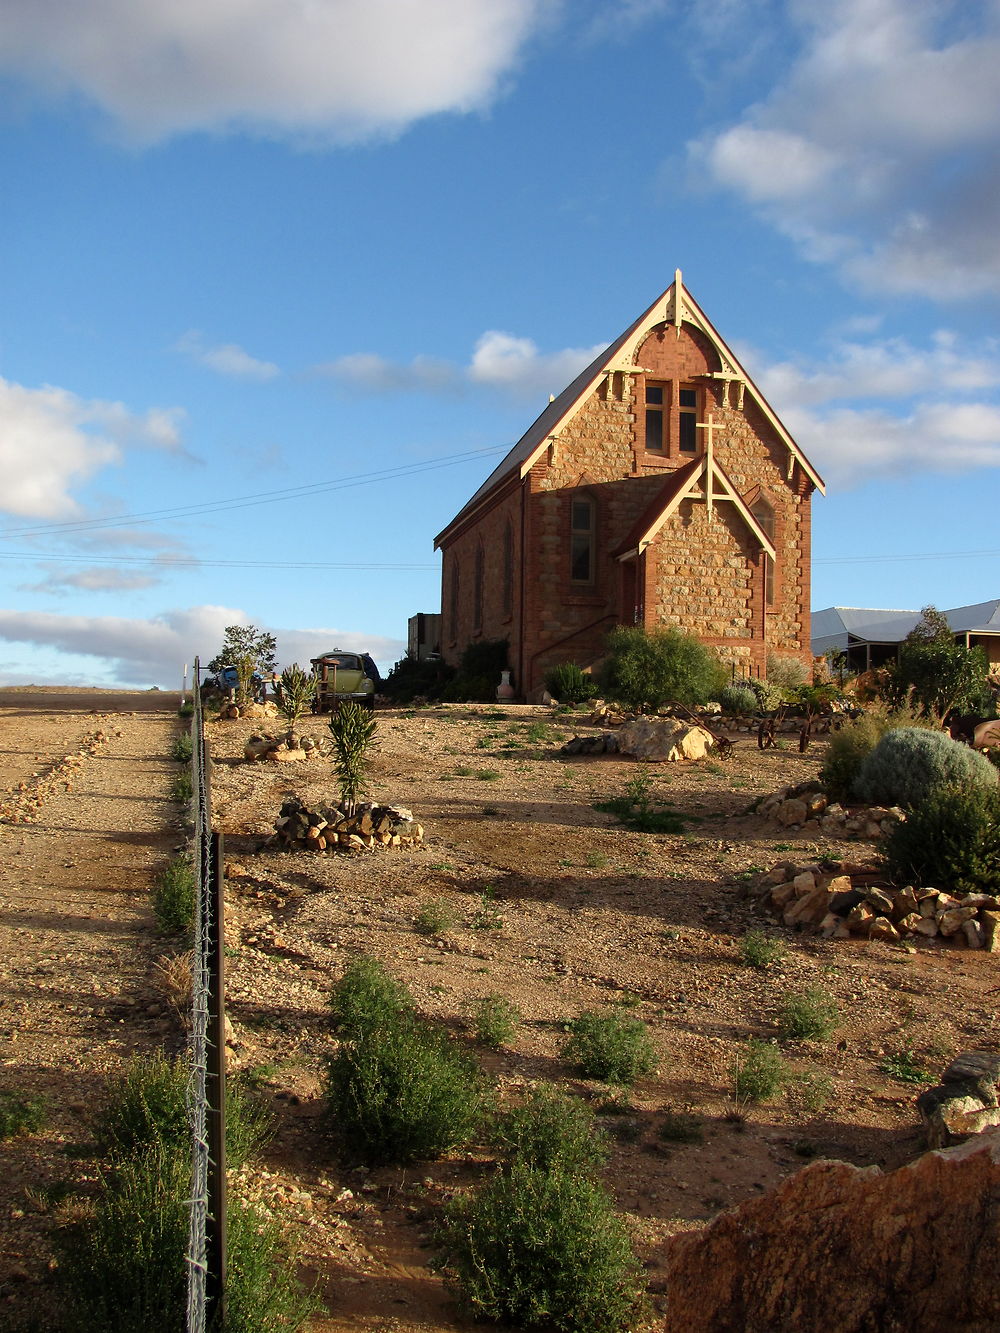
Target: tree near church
{"x":937,"y":673}
{"x":242,"y":641}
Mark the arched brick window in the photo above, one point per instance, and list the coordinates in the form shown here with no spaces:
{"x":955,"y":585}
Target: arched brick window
{"x":763,"y":512}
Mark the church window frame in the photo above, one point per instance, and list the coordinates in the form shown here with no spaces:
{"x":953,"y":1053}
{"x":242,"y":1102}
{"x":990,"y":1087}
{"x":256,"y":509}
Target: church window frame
{"x":453,"y":600}
{"x":508,"y":570}
{"x":477,"y":590}
{"x":764,"y":513}
{"x":582,"y":540}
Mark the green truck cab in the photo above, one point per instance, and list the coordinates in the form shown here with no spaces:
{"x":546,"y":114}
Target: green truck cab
{"x":341,"y":676}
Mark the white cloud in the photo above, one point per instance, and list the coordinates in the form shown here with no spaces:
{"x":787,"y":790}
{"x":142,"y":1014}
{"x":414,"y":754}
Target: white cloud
{"x":52,"y":441}
{"x":851,"y":447}
{"x":335,"y":70}
{"x":62,"y":582}
{"x":505,"y":361}
{"x":877,"y":149}
{"x":888,"y":408}
{"x":226,"y":358}
{"x":376,"y":374}
{"x":140,"y":652}
{"x":499,"y":360}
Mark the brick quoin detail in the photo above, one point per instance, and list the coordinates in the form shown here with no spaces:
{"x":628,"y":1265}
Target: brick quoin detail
{"x":659,"y":554}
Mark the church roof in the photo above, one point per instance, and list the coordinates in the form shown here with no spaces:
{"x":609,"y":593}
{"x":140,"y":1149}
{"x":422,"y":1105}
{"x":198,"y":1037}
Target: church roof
{"x":675,"y":305}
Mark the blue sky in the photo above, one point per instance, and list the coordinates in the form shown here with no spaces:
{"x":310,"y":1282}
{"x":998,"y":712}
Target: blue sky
{"x":281,"y":281}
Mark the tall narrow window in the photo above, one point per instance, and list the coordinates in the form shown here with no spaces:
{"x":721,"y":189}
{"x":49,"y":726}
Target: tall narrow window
{"x":477,"y":610}
{"x":764,"y":515}
{"x":582,"y":525}
{"x":453,"y":601}
{"x":687,"y":421}
{"x":655,"y":432}
{"x":508,"y":569}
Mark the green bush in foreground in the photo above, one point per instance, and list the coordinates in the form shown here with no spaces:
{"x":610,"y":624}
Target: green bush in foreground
{"x":402,"y":1091}
{"x":123,"y":1269}
{"x":20,"y":1115}
{"x":538,"y":1248}
{"x":612,"y":1046}
{"x":366,"y":996}
{"x":147,"y":1109}
{"x":811,"y":1015}
{"x":950,"y":841}
{"x":174,"y":897}
{"x":645,"y":669}
{"x":553,"y":1132}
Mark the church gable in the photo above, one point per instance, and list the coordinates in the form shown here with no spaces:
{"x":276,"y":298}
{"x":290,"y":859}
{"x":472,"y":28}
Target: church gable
{"x":658,"y":488}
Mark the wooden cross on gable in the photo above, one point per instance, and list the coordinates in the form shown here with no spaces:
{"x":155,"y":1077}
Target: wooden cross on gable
{"x":709,"y":427}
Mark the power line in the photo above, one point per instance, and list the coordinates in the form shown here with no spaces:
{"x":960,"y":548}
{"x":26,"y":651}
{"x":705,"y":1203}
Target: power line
{"x":161,"y":562}
{"x":916,"y":555}
{"x":250,"y":501}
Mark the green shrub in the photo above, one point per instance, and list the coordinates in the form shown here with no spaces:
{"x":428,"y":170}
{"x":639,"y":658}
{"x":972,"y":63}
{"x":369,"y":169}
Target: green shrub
{"x":738,"y":700}
{"x":809,"y":1015}
{"x":854,"y":740}
{"x":146,"y":1108}
{"x":570,"y":684}
{"x":785,"y":673}
{"x":403,"y":1091}
{"x":20,"y":1115}
{"x":758,"y":1074}
{"x":537,"y":1248}
{"x":552,"y":1131}
{"x":181,"y":788}
{"x":635,"y":809}
{"x":679,"y":1127}
{"x":174,"y":897}
{"x":435,"y":917}
{"x":644,"y":670}
{"x":123,"y":1269}
{"x":182,"y":748}
{"x":413,"y":678}
{"x":478,"y":673}
{"x":951,"y":841}
{"x":760,"y":950}
{"x":612,"y":1046}
{"x":810,"y":1092}
{"x":366,"y":997}
{"x":352,"y":729}
{"x":909,"y":764}
{"x":296,"y":694}
{"x":905,"y":1067}
{"x":496,"y":1020}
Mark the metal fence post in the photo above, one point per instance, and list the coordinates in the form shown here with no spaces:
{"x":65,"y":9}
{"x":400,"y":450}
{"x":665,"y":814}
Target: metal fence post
{"x":216,"y":1233}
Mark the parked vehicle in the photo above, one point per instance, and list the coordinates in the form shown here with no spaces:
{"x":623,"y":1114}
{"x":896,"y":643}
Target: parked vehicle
{"x":341,"y":676}
{"x":227,"y":680}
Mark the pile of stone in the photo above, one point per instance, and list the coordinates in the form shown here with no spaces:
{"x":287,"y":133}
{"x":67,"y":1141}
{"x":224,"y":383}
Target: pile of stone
{"x":807,"y":807}
{"x":331,"y":829}
{"x":966,"y":1101}
{"x":844,"y":901}
{"x":285,"y":749}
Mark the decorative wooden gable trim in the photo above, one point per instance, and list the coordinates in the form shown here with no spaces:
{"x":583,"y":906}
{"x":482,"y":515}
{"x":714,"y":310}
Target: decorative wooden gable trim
{"x":677,"y":307}
{"x":702,"y":480}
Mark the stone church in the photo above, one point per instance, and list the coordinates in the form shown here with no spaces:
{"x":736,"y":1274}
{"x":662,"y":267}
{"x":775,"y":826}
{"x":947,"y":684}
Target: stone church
{"x":658,"y":489}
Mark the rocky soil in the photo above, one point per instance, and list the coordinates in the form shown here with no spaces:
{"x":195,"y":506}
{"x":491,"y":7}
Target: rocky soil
{"x":535,"y":895}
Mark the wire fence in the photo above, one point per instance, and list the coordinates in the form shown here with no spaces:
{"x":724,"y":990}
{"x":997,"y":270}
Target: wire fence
{"x":206,"y":1253}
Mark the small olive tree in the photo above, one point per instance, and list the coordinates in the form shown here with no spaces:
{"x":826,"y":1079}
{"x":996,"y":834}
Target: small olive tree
{"x":647,"y":668}
{"x":938,"y":673}
{"x":353,"y":730}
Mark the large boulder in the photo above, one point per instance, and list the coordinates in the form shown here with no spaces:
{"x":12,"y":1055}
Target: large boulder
{"x":843,"y":1249}
{"x":966,"y":1101}
{"x":664,"y":739}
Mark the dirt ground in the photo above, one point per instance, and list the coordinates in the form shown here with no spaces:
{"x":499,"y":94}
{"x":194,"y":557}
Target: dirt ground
{"x":546,"y":901}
